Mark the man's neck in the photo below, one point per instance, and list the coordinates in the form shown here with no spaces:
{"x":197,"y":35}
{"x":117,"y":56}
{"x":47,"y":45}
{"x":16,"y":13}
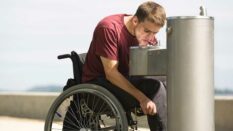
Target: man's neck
{"x":129,"y":24}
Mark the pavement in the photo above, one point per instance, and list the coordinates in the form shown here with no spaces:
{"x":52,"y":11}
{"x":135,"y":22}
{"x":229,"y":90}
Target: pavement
{"x":24,"y":124}
{"x":20,"y":124}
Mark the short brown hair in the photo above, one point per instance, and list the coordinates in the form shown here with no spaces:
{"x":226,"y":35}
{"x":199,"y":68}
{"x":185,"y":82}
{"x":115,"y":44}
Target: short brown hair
{"x":152,"y":12}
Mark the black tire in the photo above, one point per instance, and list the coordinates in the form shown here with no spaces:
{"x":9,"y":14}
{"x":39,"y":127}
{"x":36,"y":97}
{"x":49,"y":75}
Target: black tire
{"x":101,"y":111}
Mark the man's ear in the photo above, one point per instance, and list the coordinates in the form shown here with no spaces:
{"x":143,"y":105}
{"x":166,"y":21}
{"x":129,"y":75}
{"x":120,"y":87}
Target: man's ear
{"x":135,"y":20}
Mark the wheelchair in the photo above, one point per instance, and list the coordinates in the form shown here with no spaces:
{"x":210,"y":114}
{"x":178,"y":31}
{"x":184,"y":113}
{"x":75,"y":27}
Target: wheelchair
{"x":88,"y":107}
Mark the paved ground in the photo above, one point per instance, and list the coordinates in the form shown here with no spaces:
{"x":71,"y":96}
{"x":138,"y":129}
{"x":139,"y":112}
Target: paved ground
{"x":20,"y":124}
{"x":23,"y":124}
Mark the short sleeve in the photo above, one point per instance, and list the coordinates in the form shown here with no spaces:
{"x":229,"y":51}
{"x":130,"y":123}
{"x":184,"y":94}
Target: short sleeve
{"x":106,"y":43}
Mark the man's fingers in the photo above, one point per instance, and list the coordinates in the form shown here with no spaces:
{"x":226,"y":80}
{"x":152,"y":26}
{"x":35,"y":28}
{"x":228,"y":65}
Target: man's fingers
{"x":144,"y":110}
{"x":150,"y":109}
{"x":154,"y":112}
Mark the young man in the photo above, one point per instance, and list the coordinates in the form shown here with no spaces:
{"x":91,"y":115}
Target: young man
{"x":107,"y":61}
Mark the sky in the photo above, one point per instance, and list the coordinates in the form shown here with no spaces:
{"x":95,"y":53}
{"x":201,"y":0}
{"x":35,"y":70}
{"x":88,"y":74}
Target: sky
{"x":34,"y":32}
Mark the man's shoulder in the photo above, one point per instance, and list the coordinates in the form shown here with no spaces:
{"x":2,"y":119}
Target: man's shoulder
{"x":112,"y":21}
{"x":114,"y":16}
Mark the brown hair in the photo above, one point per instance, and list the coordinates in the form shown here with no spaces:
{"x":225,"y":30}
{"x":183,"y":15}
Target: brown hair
{"x":152,"y":12}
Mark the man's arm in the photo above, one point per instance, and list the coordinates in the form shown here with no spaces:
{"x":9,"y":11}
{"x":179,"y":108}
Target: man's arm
{"x":114,"y":76}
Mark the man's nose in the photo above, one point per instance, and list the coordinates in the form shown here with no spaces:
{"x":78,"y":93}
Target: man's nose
{"x":150,"y":36}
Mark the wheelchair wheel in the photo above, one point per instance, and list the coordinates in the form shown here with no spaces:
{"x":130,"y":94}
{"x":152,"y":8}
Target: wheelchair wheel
{"x":86,"y":107}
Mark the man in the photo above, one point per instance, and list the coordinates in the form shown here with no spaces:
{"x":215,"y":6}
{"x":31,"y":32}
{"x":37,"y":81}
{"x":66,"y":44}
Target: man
{"x":107,"y":61}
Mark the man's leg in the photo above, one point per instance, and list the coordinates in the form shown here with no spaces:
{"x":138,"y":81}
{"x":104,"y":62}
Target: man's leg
{"x":120,"y":94}
{"x":156,"y":91}
{"x":160,"y":100}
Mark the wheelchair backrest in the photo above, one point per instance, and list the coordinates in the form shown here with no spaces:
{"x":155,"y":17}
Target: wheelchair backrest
{"x":78,"y":61}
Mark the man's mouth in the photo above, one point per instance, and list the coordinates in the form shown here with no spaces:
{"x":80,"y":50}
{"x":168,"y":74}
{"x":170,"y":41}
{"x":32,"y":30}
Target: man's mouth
{"x":145,"y":41}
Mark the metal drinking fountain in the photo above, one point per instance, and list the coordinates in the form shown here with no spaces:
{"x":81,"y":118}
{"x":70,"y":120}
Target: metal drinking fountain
{"x":188,"y":63}
{"x":190,"y":73}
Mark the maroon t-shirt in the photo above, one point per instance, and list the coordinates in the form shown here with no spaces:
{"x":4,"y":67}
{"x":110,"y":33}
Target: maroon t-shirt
{"x":112,"y":40}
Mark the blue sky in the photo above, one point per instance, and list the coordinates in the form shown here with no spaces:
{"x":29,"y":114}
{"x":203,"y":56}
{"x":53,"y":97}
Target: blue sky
{"x":34,"y":32}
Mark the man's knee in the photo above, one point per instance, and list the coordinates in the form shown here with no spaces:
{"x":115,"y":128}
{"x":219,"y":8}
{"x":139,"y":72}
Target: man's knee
{"x":161,"y":104}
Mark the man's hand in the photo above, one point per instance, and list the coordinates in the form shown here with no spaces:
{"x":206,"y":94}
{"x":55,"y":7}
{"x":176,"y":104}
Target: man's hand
{"x":148,"y":106}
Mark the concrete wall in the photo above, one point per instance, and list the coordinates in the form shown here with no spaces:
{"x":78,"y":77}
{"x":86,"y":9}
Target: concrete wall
{"x":224,"y":113}
{"x":29,"y":105}
{"x":36,"y":105}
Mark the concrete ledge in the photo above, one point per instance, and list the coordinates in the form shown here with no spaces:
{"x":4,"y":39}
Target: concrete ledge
{"x":28,"y":105}
{"x":224,"y":113}
{"x":36,"y":105}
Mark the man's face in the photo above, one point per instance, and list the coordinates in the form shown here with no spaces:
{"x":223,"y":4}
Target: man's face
{"x":145,"y":32}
